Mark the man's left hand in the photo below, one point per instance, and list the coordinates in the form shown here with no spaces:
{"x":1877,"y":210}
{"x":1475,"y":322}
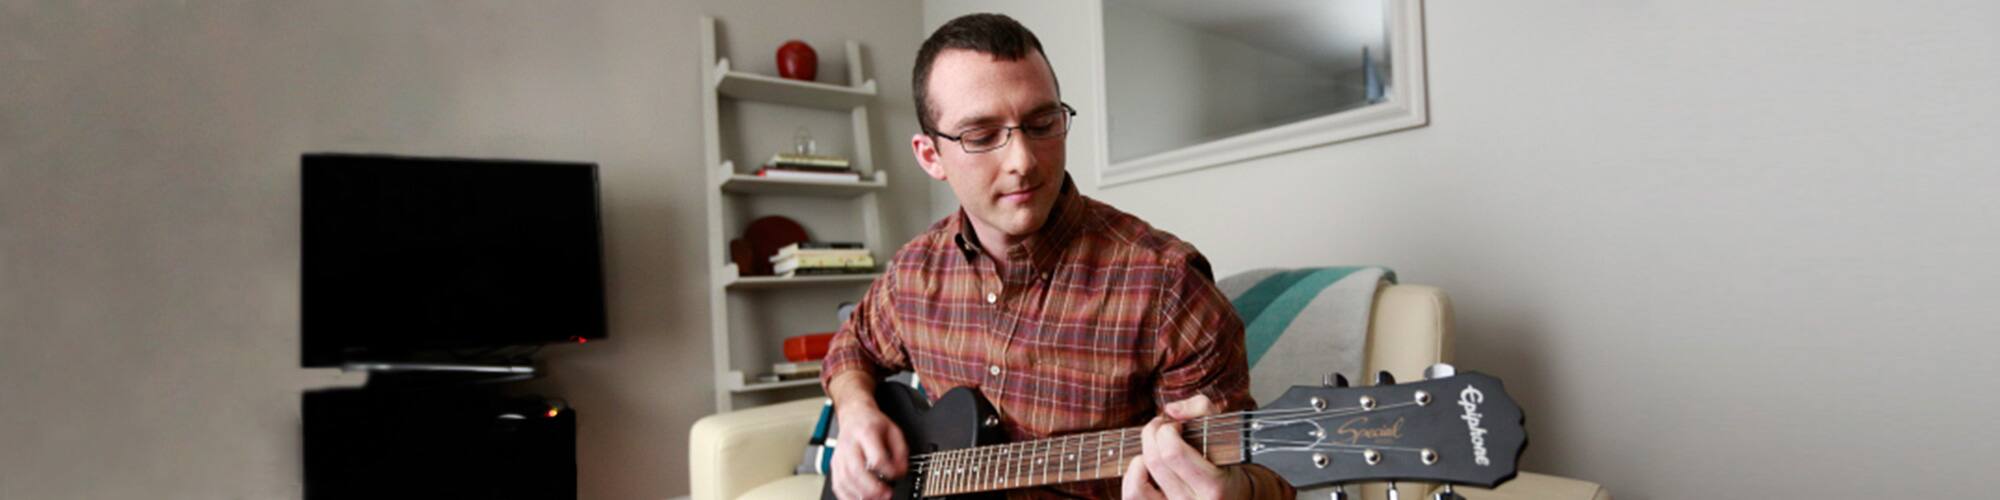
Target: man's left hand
{"x":1168,"y":468}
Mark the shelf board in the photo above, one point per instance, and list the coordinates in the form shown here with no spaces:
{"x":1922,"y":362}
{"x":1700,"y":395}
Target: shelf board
{"x":765,"y":88}
{"x":741,"y":183}
{"x":771,"y":386}
{"x":757,"y":282}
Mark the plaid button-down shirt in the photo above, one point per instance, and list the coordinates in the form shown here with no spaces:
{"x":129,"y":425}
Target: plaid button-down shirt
{"x":1097,"y":322}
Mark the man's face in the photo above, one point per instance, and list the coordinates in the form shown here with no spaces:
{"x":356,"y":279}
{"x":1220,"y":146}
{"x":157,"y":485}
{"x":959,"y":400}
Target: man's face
{"x":1008,"y":192}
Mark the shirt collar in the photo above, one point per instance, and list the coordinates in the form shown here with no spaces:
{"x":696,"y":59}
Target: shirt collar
{"x":1046,"y":245}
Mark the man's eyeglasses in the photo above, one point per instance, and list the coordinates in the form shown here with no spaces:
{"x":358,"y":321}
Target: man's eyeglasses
{"x":1049,"y":124}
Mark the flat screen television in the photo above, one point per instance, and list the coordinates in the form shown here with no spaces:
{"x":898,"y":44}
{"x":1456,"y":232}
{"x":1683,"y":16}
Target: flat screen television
{"x":408,"y":259}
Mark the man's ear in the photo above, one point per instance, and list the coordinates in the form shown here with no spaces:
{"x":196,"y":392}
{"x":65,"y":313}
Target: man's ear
{"x":925,"y":148}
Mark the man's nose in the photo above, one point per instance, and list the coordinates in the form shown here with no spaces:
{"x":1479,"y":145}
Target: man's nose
{"x":1018,"y":156}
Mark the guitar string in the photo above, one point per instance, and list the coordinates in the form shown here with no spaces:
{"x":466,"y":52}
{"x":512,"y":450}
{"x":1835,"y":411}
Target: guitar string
{"x":1194,"y":431}
{"x":1019,"y":469}
{"x":1003,"y":455}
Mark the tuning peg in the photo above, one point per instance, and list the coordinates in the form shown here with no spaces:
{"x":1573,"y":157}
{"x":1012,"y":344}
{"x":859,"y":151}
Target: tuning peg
{"x":1334,"y":379}
{"x":1384,"y":378}
{"x":1393,"y":494}
{"x":1440,"y":370}
{"x":1446,"y":494}
{"x":1339,"y":493}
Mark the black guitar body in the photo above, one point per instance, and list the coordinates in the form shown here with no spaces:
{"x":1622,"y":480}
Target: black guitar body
{"x":957,"y":421}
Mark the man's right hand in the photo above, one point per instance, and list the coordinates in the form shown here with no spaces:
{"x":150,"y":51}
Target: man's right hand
{"x":869,"y":453}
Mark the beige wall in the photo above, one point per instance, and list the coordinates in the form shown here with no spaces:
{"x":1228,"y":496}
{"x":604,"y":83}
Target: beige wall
{"x":149,"y":207}
{"x":1719,"y":249}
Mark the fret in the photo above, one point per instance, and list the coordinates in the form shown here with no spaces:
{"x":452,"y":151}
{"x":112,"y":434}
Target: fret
{"x":1121,"y":446}
{"x":952,"y":479}
{"x":1013,"y":459}
{"x":1001,"y":465}
{"x":977,"y":472}
{"x":1051,"y":461}
{"x":950,"y":472}
{"x":1103,"y":453}
{"x":985,"y":467}
{"x":964,"y":470}
{"x":1054,"y":460}
{"x":1061,"y":451}
{"x":1021,"y":472}
{"x":1079,"y":454}
{"x":1204,"y":438}
{"x":1011,"y":455}
{"x":1024,"y":464}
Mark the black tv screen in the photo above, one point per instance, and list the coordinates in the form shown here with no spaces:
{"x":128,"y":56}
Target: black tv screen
{"x":415,"y":259}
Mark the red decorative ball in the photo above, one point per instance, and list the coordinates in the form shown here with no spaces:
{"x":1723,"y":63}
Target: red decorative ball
{"x":797,"y":61}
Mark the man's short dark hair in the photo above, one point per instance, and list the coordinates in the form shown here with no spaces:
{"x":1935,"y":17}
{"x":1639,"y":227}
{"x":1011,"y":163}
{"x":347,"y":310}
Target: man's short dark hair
{"x":993,"y":34}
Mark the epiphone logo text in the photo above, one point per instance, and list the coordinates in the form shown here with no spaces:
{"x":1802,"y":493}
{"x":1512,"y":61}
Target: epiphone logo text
{"x":1469,"y":399}
{"x":1355,"y":430}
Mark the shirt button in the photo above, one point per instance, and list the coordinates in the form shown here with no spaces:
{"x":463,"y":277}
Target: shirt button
{"x":994,"y":370}
{"x":991,"y":298}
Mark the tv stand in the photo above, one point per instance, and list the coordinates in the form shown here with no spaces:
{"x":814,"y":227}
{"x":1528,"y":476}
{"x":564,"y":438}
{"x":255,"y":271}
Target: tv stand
{"x":398,"y":375}
{"x":447,"y":442}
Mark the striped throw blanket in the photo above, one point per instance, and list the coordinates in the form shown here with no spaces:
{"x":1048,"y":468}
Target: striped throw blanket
{"x":1300,"y":324}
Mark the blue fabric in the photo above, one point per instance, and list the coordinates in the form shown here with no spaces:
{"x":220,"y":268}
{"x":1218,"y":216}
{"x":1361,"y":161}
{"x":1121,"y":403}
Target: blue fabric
{"x":819,"y":453}
{"x":1269,"y":307}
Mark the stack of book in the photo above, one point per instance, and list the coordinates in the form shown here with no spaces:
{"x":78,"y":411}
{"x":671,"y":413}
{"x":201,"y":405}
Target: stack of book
{"x":822,"y":258}
{"x":809,"y":167}
{"x":793,"y":370}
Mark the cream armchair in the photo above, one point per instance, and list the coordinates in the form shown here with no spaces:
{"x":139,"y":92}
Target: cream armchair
{"x":750,"y":454}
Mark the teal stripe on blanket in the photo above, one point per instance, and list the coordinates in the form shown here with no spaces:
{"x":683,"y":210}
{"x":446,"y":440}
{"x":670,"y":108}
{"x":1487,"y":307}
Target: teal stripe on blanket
{"x":1270,"y":306}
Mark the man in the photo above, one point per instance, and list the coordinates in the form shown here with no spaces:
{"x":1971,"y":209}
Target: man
{"x":1066,"y":314}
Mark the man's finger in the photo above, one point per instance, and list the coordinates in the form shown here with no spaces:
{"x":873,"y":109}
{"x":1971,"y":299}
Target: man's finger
{"x":853,"y":481}
{"x":1138,"y":484}
{"x":1188,"y":465}
{"x":898,"y":455}
{"x":1190,"y":408}
{"x":1171,"y":484}
{"x":875,"y":459}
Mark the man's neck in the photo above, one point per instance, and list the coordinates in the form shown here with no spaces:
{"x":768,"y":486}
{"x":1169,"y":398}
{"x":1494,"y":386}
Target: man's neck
{"x":994,"y":244}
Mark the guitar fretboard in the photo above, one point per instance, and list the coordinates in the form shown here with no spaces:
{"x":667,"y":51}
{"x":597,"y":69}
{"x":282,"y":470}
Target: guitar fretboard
{"x":1077,"y":457}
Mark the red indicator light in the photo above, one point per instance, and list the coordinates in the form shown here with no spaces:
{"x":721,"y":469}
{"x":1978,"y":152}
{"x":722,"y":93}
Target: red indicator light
{"x":553,"y":412}
{"x":580,"y":340}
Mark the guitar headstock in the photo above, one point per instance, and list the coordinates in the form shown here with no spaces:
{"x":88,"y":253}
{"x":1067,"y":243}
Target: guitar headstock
{"x":1460,"y":429}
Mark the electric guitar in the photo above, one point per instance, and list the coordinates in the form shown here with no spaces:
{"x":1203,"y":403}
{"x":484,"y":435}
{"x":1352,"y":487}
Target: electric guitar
{"x":1451,"y":428}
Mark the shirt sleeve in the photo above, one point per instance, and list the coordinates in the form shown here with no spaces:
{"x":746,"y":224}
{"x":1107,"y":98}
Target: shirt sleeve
{"x":1201,"y":350}
{"x":1205,"y":355}
{"x":868,"y":342}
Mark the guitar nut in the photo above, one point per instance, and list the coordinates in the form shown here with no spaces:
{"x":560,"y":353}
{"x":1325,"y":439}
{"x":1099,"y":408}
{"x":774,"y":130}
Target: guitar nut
{"x":1371,"y":456}
{"x":1367,"y":402}
{"x":1429,"y":457}
{"x":1320,"y":460}
{"x":1423,"y":398}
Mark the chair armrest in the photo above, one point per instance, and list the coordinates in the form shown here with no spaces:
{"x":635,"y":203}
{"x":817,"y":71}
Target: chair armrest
{"x":1410,"y":330}
{"x":731,"y":453}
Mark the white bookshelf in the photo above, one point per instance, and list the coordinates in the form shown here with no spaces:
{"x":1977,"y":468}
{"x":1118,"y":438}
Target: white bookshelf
{"x":741,"y":183}
{"x":744,"y":349}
